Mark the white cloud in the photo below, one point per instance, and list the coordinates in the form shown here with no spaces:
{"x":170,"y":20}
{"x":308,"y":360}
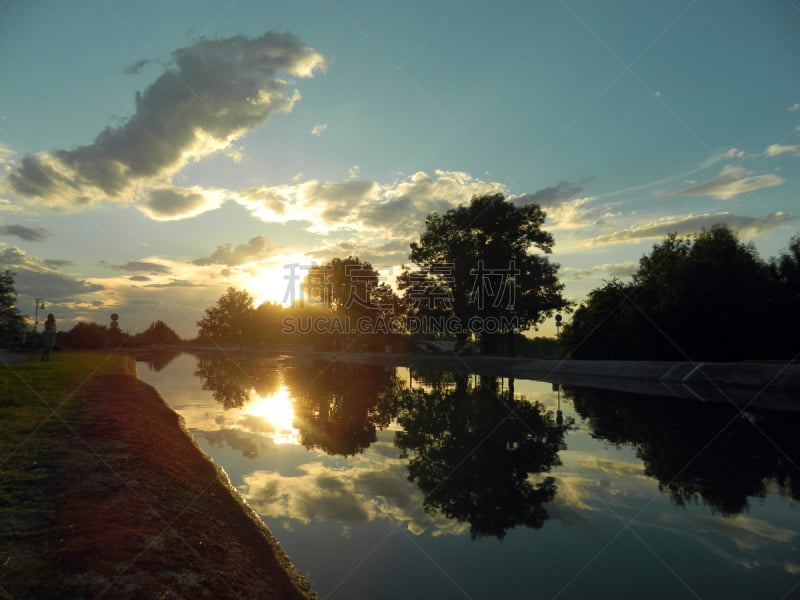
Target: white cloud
{"x":318,"y":130}
{"x":778,"y":149}
{"x":599,"y":272}
{"x":794,"y":107}
{"x":691,"y":224}
{"x":733,"y":153}
{"x":219,"y":90}
{"x":731,"y":182}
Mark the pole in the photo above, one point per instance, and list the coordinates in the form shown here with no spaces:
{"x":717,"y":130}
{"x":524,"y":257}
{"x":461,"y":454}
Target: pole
{"x":39,"y":304}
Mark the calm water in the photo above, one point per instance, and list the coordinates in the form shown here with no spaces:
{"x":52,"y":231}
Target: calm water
{"x":395,"y":484}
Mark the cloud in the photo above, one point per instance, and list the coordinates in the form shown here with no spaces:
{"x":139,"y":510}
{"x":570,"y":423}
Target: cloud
{"x":551,"y":196}
{"x":692,"y":224}
{"x":37,"y":278}
{"x":145,"y":267}
{"x":397,"y":210}
{"x":29,"y":234}
{"x":731,"y":182}
{"x":258,"y":248}
{"x":605,"y":271}
{"x":777,"y":150}
{"x":217,"y":91}
{"x":136,"y":67}
{"x":171,"y":203}
{"x":318,"y":130}
{"x":794,"y":107}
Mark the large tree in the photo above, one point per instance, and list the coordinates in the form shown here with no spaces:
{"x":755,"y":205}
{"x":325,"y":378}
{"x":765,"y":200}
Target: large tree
{"x":11,"y":320}
{"x":230,"y":320}
{"x":704,"y":297}
{"x":485,"y":264}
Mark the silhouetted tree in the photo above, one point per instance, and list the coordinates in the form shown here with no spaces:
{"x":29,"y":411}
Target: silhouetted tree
{"x":91,"y":335}
{"x":11,"y":320}
{"x":157,"y":333}
{"x":267,"y":322}
{"x":359,"y":307}
{"x":701,"y":298}
{"x":230,"y":320}
{"x":783,"y":320}
{"x":480,"y":260}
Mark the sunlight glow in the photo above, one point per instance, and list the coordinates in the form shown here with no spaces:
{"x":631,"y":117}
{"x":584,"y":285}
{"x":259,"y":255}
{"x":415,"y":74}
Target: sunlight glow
{"x":277,"y":281}
{"x":278,"y":410}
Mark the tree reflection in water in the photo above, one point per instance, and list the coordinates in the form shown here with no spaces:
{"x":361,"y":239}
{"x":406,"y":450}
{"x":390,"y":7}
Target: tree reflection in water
{"x":478,"y":454}
{"x":339,"y":406}
{"x":156,"y":359}
{"x":709,"y":453}
{"x":230,"y":379}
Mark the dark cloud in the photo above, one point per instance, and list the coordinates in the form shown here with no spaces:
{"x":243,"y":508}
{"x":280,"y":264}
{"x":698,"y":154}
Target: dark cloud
{"x":227,"y":254}
{"x":57,"y":263}
{"x":36,"y":279}
{"x":553,"y":195}
{"x":176,"y":203}
{"x":146,"y":267}
{"x":136,"y":68}
{"x":216,"y":91}
{"x":139,"y":278}
{"x":29,"y":234}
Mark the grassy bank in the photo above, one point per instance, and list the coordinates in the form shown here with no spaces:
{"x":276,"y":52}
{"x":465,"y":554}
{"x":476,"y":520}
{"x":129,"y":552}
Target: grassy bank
{"x":36,"y":401}
{"x":34,"y":398}
{"x":104,"y":493}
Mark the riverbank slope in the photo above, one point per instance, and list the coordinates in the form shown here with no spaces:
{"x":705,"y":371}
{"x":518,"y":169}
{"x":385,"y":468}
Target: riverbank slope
{"x":125,"y":504}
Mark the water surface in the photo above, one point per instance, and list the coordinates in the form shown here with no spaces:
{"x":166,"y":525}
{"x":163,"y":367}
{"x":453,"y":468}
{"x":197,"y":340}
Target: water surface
{"x":387,"y":483}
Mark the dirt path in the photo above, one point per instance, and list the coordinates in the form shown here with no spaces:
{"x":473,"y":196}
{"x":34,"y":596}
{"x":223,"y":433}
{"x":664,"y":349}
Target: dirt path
{"x":132,"y":508}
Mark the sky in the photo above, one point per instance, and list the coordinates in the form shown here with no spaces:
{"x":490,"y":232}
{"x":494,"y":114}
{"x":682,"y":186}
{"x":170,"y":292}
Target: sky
{"x":153,"y":154}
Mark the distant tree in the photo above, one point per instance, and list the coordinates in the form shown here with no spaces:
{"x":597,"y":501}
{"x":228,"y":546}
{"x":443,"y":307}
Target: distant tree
{"x":86,"y":335}
{"x":157,"y":333}
{"x":229,"y":320}
{"x":701,"y":298}
{"x":267,"y":322}
{"x":11,"y":320}
{"x":487,"y":260}
{"x":357,"y":303}
{"x":784,"y":318}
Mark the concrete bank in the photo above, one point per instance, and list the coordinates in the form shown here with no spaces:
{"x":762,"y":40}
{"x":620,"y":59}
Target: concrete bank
{"x":773,"y":386}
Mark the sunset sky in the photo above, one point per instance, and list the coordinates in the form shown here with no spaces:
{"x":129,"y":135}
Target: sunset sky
{"x":155,"y":153}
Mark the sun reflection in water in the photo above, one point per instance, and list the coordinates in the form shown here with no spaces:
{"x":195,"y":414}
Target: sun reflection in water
{"x":278,"y":410}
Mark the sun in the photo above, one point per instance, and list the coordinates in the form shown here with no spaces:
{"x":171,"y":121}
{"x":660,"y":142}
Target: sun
{"x":279,"y":281}
{"x":269,"y":285}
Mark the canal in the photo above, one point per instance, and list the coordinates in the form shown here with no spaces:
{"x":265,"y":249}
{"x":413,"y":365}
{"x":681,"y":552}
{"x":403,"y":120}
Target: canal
{"x":384,"y":482}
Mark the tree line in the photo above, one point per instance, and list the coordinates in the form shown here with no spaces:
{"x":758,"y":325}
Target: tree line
{"x":480,"y":274}
{"x":481,"y":277}
{"x":706,"y":297}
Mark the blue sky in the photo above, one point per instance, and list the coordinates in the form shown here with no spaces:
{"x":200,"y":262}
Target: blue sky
{"x":153,"y":154}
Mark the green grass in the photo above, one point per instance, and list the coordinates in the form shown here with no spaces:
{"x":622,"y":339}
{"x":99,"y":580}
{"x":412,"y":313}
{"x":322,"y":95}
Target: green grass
{"x":34,"y":398}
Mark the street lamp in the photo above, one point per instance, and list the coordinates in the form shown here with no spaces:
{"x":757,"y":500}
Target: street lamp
{"x":558,"y":333}
{"x":39,"y":304}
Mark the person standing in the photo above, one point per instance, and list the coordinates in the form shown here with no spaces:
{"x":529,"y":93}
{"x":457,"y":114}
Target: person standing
{"x":48,"y":336}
